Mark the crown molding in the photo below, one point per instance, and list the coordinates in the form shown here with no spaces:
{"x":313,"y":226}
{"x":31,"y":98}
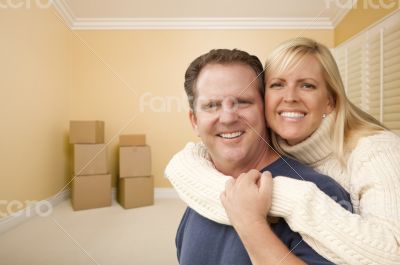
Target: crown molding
{"x":65,"y":11}
{"x":202,"y":23}
{"x":339,"y":16}
{"x":342,"y":13}
{"x":77,"y":23}
{"x":74,"y":22}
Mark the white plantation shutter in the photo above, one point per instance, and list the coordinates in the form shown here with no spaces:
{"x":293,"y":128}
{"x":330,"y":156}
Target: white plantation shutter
{"x":354,"y":73}
{"x":373,"y":74}
{"x":370,"y":68}
{"x":391,"y":74}
{"x":340,"y":57}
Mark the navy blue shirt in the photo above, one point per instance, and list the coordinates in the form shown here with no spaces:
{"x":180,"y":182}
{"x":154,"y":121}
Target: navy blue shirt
{"x":200,"y":241}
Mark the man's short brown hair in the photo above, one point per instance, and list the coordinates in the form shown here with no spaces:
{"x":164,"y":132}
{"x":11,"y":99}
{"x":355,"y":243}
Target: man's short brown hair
{"x":221,"y":56}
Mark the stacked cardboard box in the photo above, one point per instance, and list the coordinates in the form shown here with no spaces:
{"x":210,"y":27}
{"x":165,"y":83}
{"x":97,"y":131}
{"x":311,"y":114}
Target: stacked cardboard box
{"x":136,"y":184}
{"x":91,"y":186}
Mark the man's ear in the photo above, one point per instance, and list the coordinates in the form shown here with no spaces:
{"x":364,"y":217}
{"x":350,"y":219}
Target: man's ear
{"x":193,"y":121}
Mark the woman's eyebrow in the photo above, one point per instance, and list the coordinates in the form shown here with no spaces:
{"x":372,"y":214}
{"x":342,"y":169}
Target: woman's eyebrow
{"x":306,"y":79}
{"x":276,"y":79}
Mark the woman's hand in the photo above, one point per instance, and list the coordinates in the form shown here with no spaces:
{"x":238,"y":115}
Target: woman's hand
{"x":247,"y":199}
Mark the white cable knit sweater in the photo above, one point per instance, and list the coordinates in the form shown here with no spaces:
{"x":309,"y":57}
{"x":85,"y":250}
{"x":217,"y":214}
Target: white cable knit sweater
{"x":372,"y":177}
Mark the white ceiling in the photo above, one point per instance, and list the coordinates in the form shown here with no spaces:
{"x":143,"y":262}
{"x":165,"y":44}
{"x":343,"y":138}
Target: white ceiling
{"x":201,"y":13}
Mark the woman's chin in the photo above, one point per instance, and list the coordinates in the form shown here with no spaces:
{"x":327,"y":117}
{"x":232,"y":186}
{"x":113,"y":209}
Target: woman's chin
{"x":293,"y":140}
{"x":293,"y":136}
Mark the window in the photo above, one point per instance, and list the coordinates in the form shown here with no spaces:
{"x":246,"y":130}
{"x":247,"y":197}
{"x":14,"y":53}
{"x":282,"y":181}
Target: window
{"x":370,"y":69}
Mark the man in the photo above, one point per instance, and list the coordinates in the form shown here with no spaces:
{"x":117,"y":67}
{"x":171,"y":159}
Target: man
{"x":225,"y":90}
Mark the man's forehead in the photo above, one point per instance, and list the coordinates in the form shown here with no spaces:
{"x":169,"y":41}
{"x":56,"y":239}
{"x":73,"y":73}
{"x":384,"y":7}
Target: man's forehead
{"x":202,"y":98}
{"x":212,"y":67}
{"x":215,"y":80}
{"x":247,"y":90}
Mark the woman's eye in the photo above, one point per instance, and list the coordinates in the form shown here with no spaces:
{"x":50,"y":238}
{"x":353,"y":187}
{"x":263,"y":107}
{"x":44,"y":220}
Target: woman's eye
{"x":308,"y":86}
{"x":276,"y":85}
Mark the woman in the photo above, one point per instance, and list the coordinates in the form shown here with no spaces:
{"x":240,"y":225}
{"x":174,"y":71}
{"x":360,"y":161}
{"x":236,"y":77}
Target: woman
{"x":312,"y":120}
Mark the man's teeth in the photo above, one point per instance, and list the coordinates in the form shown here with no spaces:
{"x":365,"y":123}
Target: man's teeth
{"x":231,"y":135}
{"x":292,"y":114}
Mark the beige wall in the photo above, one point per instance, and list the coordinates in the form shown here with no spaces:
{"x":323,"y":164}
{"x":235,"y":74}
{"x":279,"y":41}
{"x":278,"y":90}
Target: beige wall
{"x":51,"y":75}
{"x":362,"y":16}
{"x":35,"y":73}
{"x":113,"y":70}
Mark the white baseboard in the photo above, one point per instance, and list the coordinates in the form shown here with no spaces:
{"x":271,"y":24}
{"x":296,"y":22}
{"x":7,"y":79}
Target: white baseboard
{"x":165,"y":193}
{"x":17,"y":218}
{"x":159,"y":193}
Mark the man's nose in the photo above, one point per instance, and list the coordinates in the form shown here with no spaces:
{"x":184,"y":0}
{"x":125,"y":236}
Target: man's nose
{"x":229,"y":111}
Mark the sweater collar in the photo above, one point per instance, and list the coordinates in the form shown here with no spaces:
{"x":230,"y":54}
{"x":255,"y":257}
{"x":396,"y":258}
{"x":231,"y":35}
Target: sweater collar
{"x":314,"y":148}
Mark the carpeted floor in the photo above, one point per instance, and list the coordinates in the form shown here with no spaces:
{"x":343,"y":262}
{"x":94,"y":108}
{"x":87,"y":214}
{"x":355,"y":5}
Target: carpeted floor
{"x":112,"y":235}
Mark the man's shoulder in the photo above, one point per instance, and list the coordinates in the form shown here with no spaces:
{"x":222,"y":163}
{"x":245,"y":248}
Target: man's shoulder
{"x":199,"y":223}
{"x":203,"y":241}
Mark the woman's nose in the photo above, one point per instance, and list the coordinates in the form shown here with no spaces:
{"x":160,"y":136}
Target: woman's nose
{"x":291,"y":94}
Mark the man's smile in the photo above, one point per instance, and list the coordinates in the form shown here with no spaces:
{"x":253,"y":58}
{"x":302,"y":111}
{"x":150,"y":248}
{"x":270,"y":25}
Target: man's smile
{"x":231,"y":135}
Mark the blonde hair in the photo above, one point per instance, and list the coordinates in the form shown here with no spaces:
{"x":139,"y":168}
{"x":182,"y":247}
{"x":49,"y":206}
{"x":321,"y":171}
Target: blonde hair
{"x":351,"y":123}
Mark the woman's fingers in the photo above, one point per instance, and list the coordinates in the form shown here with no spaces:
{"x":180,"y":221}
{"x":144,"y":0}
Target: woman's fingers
{"x":246,"y":199}
{"x":266,"y":182}
{"x":229,"y":185}
{"x":253,"y":180}
{"x":250,"y":177}
{"x":222,"y":197}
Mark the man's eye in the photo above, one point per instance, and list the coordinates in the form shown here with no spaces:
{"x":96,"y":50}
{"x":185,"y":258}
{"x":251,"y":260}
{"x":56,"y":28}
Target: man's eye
{"x":243,"y":102}
{"x":211,"y":106}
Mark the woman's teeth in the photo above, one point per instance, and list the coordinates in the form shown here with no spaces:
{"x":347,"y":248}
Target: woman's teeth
{"x":292,"y":114}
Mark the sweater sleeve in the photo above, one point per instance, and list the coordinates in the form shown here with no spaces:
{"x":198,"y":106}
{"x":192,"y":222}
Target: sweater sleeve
{"x":370,"y":237}
{"x":197,"y":182}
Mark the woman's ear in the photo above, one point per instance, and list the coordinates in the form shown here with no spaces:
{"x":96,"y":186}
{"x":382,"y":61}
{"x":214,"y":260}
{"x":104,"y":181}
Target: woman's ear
{"x":330,"y":106}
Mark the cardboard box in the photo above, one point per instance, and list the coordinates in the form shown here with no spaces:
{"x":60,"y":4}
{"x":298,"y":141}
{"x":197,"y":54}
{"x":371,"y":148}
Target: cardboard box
{"x":86,"y":132}
{"x":91,"y":192}
{"x":136,"y":192}
{"x":90,"y":159}
{"x":134,"y":161}
{"x":132,"y":139}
